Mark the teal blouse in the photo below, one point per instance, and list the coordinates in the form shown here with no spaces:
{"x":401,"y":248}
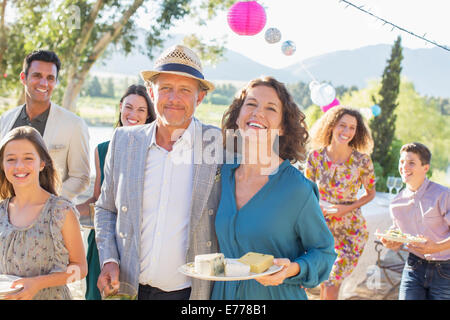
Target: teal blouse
{"x":282,"y":219}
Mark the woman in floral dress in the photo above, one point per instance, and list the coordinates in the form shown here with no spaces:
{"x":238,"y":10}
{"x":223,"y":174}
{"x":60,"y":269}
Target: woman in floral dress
{"x":40,"y":238}
{"x":339,"y":164}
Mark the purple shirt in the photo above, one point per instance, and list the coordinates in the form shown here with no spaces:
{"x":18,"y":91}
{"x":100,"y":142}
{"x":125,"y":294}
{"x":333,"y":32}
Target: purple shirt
{"x":424,"y":212}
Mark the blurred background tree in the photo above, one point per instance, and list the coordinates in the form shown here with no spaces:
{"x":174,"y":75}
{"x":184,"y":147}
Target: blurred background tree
{"x":383,"y":126}
{"x":79,"y":31}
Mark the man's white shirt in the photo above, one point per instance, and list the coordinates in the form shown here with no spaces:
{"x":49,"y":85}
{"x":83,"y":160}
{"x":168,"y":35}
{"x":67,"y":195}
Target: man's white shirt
{"x":166,"y":212}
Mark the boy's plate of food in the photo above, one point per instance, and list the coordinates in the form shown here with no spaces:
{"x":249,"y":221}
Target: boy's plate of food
{"x":214,"y":267}
{"x":398,"y":236}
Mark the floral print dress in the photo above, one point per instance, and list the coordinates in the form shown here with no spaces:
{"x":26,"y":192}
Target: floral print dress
{"x":339,"y":184}
{"x":37,"y":249}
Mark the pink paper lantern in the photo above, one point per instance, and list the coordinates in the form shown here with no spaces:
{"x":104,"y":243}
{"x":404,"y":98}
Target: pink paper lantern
{"x":246,"y":18}
{"x":331,"y":105}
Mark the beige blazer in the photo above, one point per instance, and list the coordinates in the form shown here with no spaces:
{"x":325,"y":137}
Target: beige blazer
{"x":67,"y":138}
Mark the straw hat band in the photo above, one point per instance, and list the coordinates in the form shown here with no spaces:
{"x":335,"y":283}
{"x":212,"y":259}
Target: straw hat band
{"x":179,"y":60}
{"x":177,"y":67}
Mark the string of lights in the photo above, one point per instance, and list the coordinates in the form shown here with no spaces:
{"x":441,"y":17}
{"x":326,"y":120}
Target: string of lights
{"x":394,"y":26}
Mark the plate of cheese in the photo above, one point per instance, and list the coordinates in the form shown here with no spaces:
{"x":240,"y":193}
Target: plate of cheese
{"x":215,"y":267}
{"x":398,"y":236}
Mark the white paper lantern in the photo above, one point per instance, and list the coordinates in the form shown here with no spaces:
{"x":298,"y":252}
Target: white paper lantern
{"x":272,"y":35}
{"x":323,"y":94}
{"x":366,"y":113}
{"x":313,"y":84}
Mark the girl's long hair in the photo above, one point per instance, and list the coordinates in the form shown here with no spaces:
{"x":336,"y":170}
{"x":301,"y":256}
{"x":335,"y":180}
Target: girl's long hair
{"x":48,"y":178}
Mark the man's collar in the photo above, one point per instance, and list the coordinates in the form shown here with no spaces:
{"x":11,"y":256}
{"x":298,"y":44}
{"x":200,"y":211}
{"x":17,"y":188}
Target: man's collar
{"x":40,"y":118}
{"x":23,"y":114}
{"x":419,"y":192}
{"x":186,"y":138}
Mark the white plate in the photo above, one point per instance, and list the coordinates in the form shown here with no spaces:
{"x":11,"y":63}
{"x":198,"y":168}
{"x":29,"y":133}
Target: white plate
{"x":397,"y":239}
{"x":327,"y":206}
{"x":5,"y":284}
{"x":188,"y":270}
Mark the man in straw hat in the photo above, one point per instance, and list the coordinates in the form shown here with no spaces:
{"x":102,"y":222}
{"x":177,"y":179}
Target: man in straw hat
{"x":155,"y":212}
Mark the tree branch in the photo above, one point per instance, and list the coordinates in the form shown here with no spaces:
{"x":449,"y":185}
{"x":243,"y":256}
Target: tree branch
{"x":87,"y":29}
{"x":110,"y":36}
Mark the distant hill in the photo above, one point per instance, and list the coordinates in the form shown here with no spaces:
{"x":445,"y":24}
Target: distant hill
{"x":428,"y":69}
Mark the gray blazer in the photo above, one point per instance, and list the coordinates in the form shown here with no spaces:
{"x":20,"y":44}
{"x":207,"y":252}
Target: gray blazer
{"x":118,"y":211}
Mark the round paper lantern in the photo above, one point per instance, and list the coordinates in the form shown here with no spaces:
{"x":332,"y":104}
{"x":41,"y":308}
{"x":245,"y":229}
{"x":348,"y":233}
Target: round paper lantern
{"x":246,"y":18}
{"x":366,"y":112}
{"x":313,"y":84}
{"x":323,"y":95}
{"x":331,"y":105}
{"x":376,"y":110}
{"x":272,"y":35}
{"x":288,"y":48}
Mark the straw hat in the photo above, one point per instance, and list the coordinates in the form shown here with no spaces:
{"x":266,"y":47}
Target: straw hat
{"x":178,"y":60}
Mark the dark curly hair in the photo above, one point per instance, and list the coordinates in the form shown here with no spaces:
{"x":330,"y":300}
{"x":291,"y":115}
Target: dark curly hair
{"x":292,"y":144}
{"x":322,"y":130}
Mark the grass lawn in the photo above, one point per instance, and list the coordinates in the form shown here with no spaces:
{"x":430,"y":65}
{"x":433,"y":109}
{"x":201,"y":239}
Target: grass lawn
{"x":98,"y":111}
{"x":210,"y":113}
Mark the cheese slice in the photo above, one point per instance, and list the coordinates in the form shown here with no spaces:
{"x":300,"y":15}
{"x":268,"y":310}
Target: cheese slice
{"x":258,"y":262}
{"x":209,"y":264}
{"x":234,"y":268}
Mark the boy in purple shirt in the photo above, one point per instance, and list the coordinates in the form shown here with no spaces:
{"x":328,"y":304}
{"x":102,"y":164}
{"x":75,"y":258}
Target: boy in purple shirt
{"x":422,"y":209}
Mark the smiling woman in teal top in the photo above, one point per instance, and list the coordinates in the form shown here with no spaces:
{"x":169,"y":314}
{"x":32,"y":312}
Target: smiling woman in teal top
{"x":271,"y":209}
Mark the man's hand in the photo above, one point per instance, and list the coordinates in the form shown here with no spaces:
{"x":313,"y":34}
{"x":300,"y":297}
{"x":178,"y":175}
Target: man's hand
{"x":427,"y":247}
{"x":108,"y":280}
{"x":393,"y":245}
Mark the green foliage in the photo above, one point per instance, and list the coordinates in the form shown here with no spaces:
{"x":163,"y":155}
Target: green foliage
{"x":301,"y":94}
{"x":420,"y":120}
{"x":383,"y":126}
{"x":106,"y":87}
{"x":390,"y":168}
{"x":380,"y":177}
{"x":99,"y":111}
{"x":312,"y":113}
{"x":79,"y":31}
{"x":94,"y":88}
{"x":209,"y":53}
{"x":109,"y":90}
{"x":222,"y":95}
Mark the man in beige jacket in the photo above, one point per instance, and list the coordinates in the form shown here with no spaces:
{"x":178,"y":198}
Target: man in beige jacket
{"x":65,"y":134}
